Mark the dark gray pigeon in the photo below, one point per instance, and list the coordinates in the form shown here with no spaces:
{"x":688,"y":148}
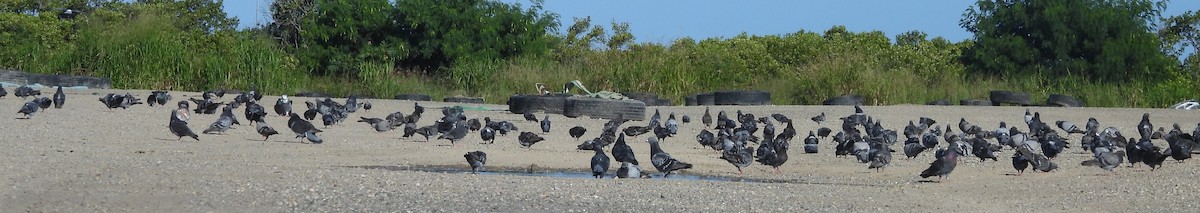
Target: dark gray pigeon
{"x":29,"y":109}
{"x":945,"y":162}
{"x":476,"y":160}
{"x":1104,"y":158}
{"x":3,"y":92}
{"x":1020,"y":163}
{"x":1145,"y":127}
{"x":577,"y":132}
{"x":685,"y":119}
{"x":740,"y":157}
{"x":255,"y":112}
{"x":821,"y":118}
{"x":599,"y":162}
{"x":265,"y":131}
{"x":283,"y":106}
{"x":179,"y":127}
{"x":303,"y":128}
{"x":474,"y":124}
{"x":663,"y":161}
{"x":457,"y":133}
{"x":366,"y":105}
{"x":707,"y":119}
{"x":527,"y":139}
{"x":26,"y":91}
{"x":546,"y":124}
{"x":43,"y":102}
{"x":59,"y":98}
{"x":488,"y":135}
{"x":427,"y":131}
{"x":881,"y":156}
{"x":530,"y":117}
{"x":622,"y":152}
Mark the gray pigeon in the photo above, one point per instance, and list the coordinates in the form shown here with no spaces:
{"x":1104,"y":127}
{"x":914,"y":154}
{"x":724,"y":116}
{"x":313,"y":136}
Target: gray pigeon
{"x":707,"y":118}
{"x":59,"y":98}
{"x":821,"y":118}
{"x":1069,"y":127}
{"x":881,"y":156}
{"x":945,"y":162}
{"x":577,"y":132}
{"x":303,"y":128}
{"x":25,"y":92}
{"x":43,"y":102}
{"x":179,"y":127}
{"x":223,"y":123}
{"x":3,"y":92}
{"x":457,"y":133}
{"x":265,"y":131}
{"x":488,"y":134}
{"x":476,"y":160}
{"x":366,"y":105}
{"x":546,"y":124}
{"x":29,"y":109}
{"x":599,"y":162}
{"x":740,"y":157}
{"x":662,"y":161}
{"x":630,"y":170}
{"x":527,"y":139}
{"x":1105,"y":159}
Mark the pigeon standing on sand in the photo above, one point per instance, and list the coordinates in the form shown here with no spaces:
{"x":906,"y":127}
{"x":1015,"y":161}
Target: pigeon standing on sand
{"x":179,"y":127}
{"x":1145,"y":128}
{"x":303,"y":129}
{"x":546,"y":124}
{"x":3,"y":92}
{"x":622,"y":152}
{"x":25,"y":92}
{"x":1104,"y":158}
{"x":577,"y":132}
{"x":599,"y":162}
{"x":59,"y":98}
{"x":945,"y":162}
{"x":366,"y":105}
{"x":1020,"y":162}
{"x":630,"y":170}
{"x":265,"y":131}
{"x":476,"y":160}
{"x":457,"y":133}
{"x":283,"y":106}
{"x":29,"y":109}
{"x":43,"y":102}
{"x":1069,"y":127}
{"x":223,"y":123}
{"x":255,"y":112}
{"x":527,"y":139}
{"x":740,"y":157}
{"x":488,"y":135}
{"x":707,"y":118}
{"x":685,"y":119}
{"x":880,"y":156}
{"x":819,"y":118}
{"x":530,"y":117}
{"x":663,"y":161}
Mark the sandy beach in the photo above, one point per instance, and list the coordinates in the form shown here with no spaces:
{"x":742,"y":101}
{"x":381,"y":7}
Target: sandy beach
{"x":87,"y":158}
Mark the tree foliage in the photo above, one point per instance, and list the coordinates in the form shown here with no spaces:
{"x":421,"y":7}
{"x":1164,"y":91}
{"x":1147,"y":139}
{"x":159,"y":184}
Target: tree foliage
{"x":1104,"y":40}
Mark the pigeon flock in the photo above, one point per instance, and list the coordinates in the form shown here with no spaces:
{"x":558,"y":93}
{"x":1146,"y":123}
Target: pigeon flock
{"x":741,"y":139}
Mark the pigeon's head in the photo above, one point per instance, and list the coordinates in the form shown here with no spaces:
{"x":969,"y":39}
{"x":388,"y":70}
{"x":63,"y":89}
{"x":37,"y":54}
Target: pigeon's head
{"x":183,"y":104}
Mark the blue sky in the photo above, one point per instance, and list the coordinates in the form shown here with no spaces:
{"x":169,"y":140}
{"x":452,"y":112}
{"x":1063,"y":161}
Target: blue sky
{"x":665,"y":20}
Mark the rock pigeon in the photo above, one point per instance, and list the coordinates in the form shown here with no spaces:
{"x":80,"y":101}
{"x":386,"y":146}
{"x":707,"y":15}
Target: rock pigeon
{"x":622,"y":152}
{"x":945,"y":162}
{"x":1181,"y":146}
{"x":3,"y":92}
{"x":488,"y":135}
{"x":1069,"y":127}
{"x":59,"y":98}
{"x":427,"y":131}
{"x":820,"y":118}
{"x":911,"y":150}
{"x":685,"y":119}
{"x":265,"y":131}
{"x":577,"y":132}
{"x":255,"y":112}
{"x":527,"y":139}
{"x":982,"y":149}
{"x":774,"y":153}
{"x":811,"y":143}
{"x":181,"y":113}
{"x":476,"y":160}
{"x":283,"y":106}
{"x":223,"y":122}
{"x":707,"y":118}
{"x":474,"y":124}
{"x":26,"y":91}
{"x":303,"y":128}
{"x":630,"y":170}
{"x":457,"y":133}
{"x":161,"y":97}
{"x":634,"y":131}
{"x":1145,"y":127}
{"x":824,"y":132}
{"x":43,"y":102}
{"x":545,"y":123}
{"x":29,"y":109}
{"x":1020,"y":163}
{"x":662,"y":161}
{"x":1104,"y":158}
{"x":740,"y":157}
{"x":599,"y":162}
{"x":179,"y":127}
{"x":880,"y":156}
{"x":530,"y":117}
{"x":366,"y":105}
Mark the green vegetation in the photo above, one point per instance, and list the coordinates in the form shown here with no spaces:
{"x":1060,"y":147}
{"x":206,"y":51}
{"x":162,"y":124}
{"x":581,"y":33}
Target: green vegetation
{"x":1111,"y":53}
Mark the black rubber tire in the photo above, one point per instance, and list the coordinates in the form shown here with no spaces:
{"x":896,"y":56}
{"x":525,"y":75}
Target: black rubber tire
{"x":469,"y":100}
{"x":974,"y":102}
{"x":663,"y":102}
{"x":689,"y":100}
{"x":939,"y":102}
{"x":1061,"y":100}
{"x":706,"y":99}
{"x":51,"y":80}
{"x":742,"y":97}
{"x":650,"y":99}
{"x":600,"y":108}
{"x":414,"y":97}
{"x":998,"y":97}
{"x":552,"y":103}
{"x":849,"y":100}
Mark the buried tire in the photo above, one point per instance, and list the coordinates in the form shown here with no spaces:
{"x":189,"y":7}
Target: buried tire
{"x":974,"y":102}
{"x":844,"y":100}
{"x":414,"y":97}
{"x":689,"y":100}
{"x":706,"y":99}
{"x":534,"y":103}
{"x":600,"y":108}
{"x":939,"y":102}
{"x":1061,"y":100}
{"x":998,"y":97}
{"x":742,"y":97}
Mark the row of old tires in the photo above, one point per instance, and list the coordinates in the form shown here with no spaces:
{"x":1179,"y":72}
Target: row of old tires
{"x":406,"y":97}
{"x":574,"y":107}
{"x":995,"y":98}
{"x":732,"y":97}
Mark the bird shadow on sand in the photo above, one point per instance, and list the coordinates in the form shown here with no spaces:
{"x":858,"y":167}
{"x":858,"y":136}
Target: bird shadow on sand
{"x":929,"y":181}
{"x":22,"y":118}
{"x":177,"y":140}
